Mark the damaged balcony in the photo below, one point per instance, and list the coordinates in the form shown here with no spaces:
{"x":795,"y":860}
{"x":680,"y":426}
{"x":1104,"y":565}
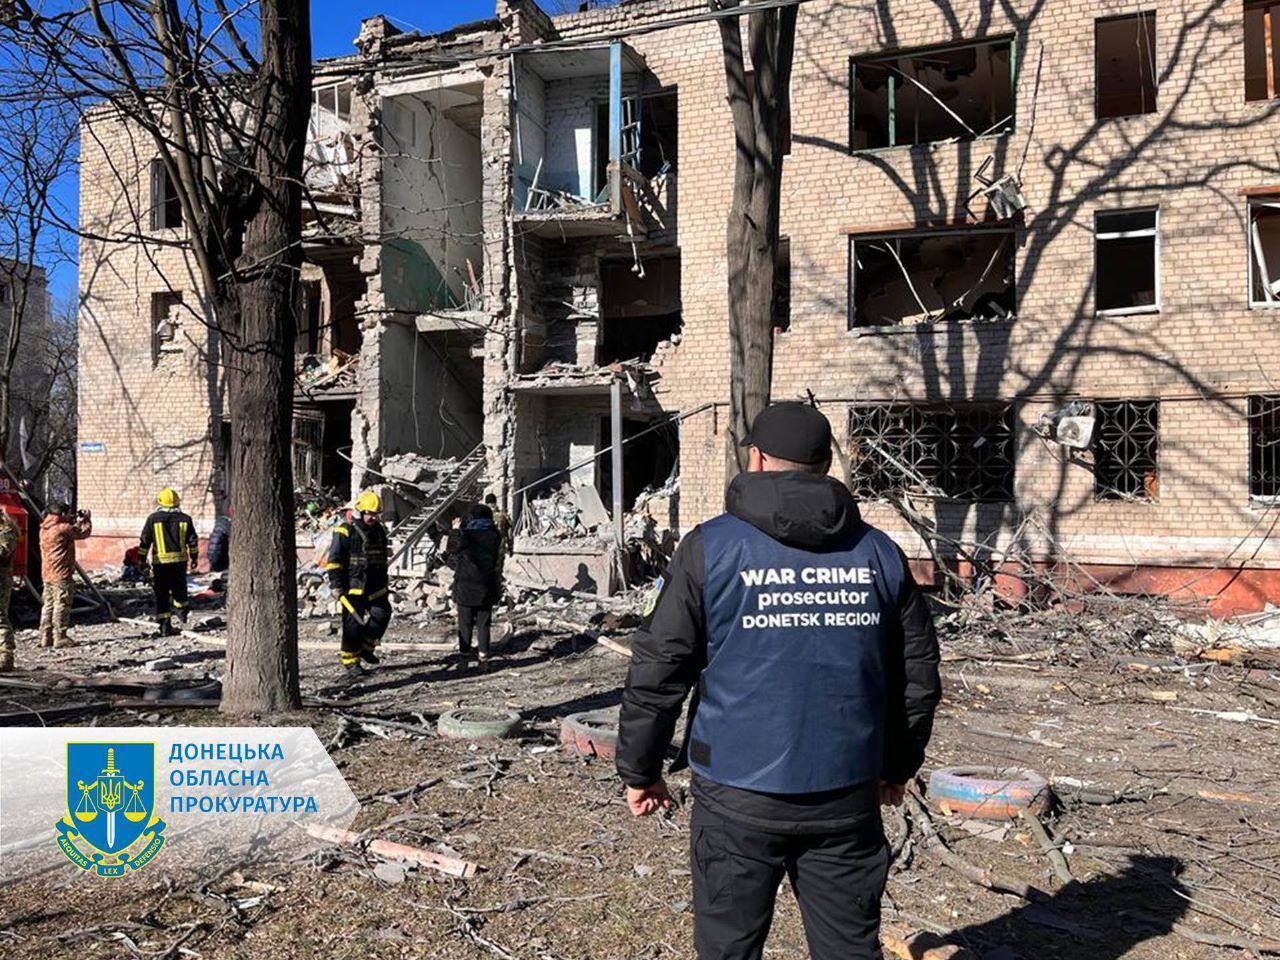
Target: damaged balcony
{"x":328,"y":338}
{"x":330,"y":162}
{"x":929,"y":276}
{"x":432,"y":186}
{"x":595,"y":149}
{"x":598,"y":319}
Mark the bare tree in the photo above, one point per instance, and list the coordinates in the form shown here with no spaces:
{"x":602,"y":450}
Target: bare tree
{"x":760,"y":102}
{"x":36,"y":139}
{"x":223,"y":95}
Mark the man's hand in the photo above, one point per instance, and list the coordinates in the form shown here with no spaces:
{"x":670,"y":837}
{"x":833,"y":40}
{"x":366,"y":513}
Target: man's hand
{"x":643,"y":801}
{"x":891,"y":793}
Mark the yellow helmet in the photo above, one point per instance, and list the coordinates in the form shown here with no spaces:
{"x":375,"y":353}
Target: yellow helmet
{"x":369,"y":502}
{"x":168,"y":497}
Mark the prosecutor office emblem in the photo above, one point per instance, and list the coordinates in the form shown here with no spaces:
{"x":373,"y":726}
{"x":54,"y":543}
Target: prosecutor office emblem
{"x":110,"y":824}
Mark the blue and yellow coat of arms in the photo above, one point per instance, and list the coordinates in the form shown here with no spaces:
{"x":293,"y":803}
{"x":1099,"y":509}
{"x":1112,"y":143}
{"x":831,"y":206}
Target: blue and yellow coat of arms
{"x":110,"y":824}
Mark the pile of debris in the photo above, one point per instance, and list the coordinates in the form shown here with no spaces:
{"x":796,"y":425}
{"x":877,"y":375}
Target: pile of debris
{"x":568,"y":512}
{"x":416,"y":469}
{"x":422,"y":598}
{"x":316,"y":508}
{"x":334,"y":372}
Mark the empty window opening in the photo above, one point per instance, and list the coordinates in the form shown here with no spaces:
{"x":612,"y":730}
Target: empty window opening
{"x":321,"y":434}
{"x":648,"y":458}
{"x":782,"y":287}
{"x":333,"y":99}
{"x":1125,"y":65}
{"x":1261,"y":49}
{"x":656,"y":116}
{"x":166,"y":207}
{"x":954,"y":93}
{"x":164,"y":322}
{"x":1264,"y":447}
{"x":962,"y":453}
{"x":942,"y":275}
{"x":1264,"y":252}
{"x":1127,"y":261}
{"x":639,"y":309}
{"x":1125,"y":449}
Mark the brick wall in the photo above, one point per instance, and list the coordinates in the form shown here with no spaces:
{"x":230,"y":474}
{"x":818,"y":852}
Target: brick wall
{"x":1200,"y":354}
{"x":142,"y":425}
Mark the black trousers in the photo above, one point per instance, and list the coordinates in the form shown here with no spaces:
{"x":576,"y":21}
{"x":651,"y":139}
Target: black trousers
{"x":357,"y":636}
{"x":169,"y":588}
{"x":838,"y":879}
{"x":474,"y":621}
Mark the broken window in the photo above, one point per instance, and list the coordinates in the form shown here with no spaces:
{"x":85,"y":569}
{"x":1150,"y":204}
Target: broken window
{"x":658,"y":135}
{"x":1261,"y":51}
{"x":937,"y":275}
{"x":334,"y":98}
{"x":1264,"y":252}
{"x":782,"y":287}
{"x":962,"y":453}
{"x":166,"y":208}
{"x":1124,"y":51}
{"x":1127,"y":261}
{"x":163,"y":325}
{"x":1125,"y":449}
{"x":650,"y":457}
{"x":953,"y":93}
{"x":639,"y":307}
{"x":1264,"y":447}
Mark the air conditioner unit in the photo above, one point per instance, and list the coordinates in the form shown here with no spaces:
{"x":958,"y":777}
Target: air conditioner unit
{"x":1074,"y":431}
{"x":1005,"y":197}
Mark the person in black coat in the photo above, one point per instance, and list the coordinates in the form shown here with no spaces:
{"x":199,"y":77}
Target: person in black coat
{"x":475,"y":553}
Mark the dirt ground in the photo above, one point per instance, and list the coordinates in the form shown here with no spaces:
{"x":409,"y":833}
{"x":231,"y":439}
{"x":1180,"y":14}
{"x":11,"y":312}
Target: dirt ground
{"x":1186,"y":866}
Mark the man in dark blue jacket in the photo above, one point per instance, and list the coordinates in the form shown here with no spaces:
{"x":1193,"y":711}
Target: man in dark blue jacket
{"x":815,"y":665}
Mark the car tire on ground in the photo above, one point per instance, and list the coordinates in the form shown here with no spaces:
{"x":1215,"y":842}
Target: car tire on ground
{"x":592,"y":734}
{"x":478,"y":723}
{"x":989,"y":793}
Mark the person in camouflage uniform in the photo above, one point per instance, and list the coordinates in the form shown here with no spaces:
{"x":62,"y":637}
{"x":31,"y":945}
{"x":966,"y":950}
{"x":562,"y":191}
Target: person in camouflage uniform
{"x":8,"y":547}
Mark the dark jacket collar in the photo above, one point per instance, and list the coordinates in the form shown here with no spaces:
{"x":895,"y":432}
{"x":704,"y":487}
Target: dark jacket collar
{"x":802,"y":510}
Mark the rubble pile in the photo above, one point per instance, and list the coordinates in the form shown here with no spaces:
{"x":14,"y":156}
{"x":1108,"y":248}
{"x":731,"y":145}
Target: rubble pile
{"x":567,"y":512}
{"x":316,"y":508}
{"x":415,"y":469}
{"x":421,"y":598}
{"x":336,"y":371}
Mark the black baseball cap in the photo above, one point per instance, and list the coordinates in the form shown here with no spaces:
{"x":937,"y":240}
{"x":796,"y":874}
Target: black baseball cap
{"x":793,"y":431}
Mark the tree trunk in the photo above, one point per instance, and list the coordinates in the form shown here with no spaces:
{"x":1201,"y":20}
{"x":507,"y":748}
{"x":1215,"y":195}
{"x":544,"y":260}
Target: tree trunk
{"x":758,"y":107}
{"x":262,"y":643}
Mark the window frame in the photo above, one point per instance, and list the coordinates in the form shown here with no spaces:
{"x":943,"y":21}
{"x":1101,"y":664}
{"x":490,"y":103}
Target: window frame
{"x":172,"y":298}
{"x":164,"y":194}
{"x":1261,"y":401}
{"x":940,"y":420}
{"x":1112,"y":494}
{"x":1005,"y":227}
{"x":1127,"y":235}
{"x":1155,"y":62}
{"x":1271,"y":200}
{"x":872,"y":57}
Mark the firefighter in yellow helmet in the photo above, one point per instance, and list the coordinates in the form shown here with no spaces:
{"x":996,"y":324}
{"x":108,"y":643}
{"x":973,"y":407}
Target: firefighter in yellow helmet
{"x":357,"y":566}
{"x":169,"y":541}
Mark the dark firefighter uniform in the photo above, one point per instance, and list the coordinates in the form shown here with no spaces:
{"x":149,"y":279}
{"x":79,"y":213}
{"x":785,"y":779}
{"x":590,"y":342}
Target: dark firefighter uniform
{"x":169,"y":540}
{"x":814,"y":663}
{"x":357,"y":565}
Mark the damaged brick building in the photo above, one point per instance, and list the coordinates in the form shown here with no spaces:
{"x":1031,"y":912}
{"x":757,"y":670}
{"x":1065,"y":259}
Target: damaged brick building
{"x":1031,"y":257}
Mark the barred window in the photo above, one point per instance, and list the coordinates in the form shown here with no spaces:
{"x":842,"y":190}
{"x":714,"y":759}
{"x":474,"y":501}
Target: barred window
{"x":1264,"y":447}
{"x":963,"y":453}
{"x":1125,"y":449}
